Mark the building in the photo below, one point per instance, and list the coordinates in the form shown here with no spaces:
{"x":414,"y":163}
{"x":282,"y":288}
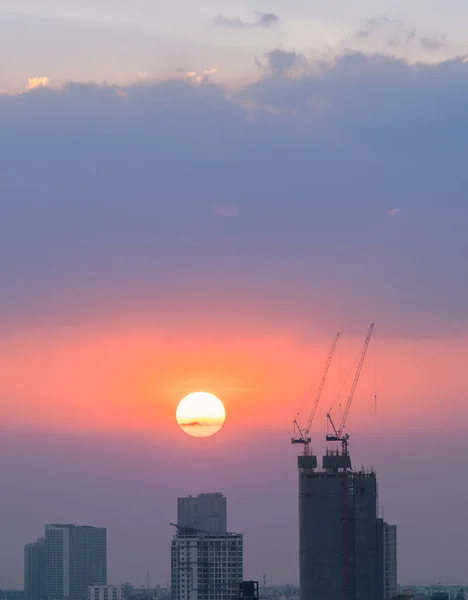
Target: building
{"x":75,"y":558}
{"x":206,"y":566}
{"x":207,"y":512}
{"x":107,"y":592}
{"x":248,"y":590}
{"x":340,"y":555}
{"x":390,"y":561}
{"x":34,"y":571}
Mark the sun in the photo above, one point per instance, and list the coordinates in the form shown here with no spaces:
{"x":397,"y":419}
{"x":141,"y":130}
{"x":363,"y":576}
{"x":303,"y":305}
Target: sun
{"x":200,"y":414}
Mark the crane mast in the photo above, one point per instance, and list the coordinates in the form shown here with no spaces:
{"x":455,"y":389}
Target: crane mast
{"x":338,"y":436}
{"x":302,"y":435}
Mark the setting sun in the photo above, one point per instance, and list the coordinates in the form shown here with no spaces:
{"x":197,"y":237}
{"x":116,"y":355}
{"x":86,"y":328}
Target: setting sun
{"x":201,"y":414}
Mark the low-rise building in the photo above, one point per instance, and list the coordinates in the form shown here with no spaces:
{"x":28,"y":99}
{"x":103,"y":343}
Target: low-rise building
{"x":107,"y":592}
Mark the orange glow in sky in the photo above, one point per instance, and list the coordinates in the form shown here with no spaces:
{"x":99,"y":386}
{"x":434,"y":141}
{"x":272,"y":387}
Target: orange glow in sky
{"x":132,"y":381}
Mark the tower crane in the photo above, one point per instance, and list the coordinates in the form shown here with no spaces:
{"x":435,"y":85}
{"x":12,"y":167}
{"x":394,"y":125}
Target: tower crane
{"x":301,"y":436}
{"x":337,"y":435}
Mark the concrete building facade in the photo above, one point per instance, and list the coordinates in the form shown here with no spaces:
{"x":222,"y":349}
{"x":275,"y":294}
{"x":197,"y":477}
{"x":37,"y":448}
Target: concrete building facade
{"x":206,"y":512}
{"x":206,"y":566}
{"x":34,"y":570}
{"x":75,"y":558}
{"x":107,"y":592}
{"x":340,"y":554}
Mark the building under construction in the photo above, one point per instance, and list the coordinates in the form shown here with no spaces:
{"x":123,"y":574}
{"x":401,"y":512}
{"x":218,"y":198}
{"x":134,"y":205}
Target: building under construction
{"x":339,"y":551}
{"x":341,"y":539}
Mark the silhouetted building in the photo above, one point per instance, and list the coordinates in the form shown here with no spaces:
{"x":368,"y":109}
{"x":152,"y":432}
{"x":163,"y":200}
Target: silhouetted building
{"x":34,"y":570}
{"x":390,"y":561}
{"x":75,"y":558}
{"x":341,"y":551}
{"x":248,"y":590}
{"x":207,"y":512}
{"x":387,"y":560}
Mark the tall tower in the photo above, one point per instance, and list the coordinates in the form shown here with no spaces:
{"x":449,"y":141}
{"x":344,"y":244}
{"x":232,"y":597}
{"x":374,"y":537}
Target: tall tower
{"x":389,"y":543}
{"x":339,"y":552}
{"x":206,"y":560}
{"x":207,"y":512}
{"x":75,"y":558}
{"x":34,"y":583}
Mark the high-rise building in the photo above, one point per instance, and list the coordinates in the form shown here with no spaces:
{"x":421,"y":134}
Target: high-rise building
{"x":206,"y":512}
{"x":75,"y":558}
{"x":34,"y":570}
{"x":206,"y":566}
{"x":206,"y":561}
{"x":390,"y":561}
{"x":340,"y":552}
{"x":387,"y":560}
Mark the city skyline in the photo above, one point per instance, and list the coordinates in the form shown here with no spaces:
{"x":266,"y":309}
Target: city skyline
{"x":285,"y":521}
{"x":196,"y":196}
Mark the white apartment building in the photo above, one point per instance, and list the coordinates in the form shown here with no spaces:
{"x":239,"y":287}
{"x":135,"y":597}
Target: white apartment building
{"x":206,"y":566}
{"x":107,"y":592}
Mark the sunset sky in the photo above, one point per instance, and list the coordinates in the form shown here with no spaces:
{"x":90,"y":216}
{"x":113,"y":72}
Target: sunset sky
{"x":250,"y":179}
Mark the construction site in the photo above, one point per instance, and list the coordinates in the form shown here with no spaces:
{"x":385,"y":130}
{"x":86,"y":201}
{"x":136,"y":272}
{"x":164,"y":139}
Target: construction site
{"x":346,"y":552}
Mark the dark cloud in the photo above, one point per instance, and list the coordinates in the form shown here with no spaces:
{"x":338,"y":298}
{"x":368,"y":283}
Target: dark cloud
{"x":107,"y":197}
{"x":283,"y":62}
{"x":265,"y":20}
{"x":433,"y":43}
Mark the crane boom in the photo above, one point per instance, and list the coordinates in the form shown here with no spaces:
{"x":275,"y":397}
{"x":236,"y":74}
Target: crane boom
{"x":338,"y":433}
{"x":356,"y":379}
{"x":302,"y":436}
{"x":322,"y":382}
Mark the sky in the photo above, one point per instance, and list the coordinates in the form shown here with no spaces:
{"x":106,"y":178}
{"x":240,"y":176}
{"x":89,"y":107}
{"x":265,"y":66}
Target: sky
{"x":196,"y":196}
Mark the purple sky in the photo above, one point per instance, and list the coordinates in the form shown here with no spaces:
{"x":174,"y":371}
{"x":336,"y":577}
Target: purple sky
{"x":130,"y":486}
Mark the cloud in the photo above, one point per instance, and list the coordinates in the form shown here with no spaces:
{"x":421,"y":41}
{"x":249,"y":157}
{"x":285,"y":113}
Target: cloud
{"x":201,"y":77}
{"x":395,"y":33}
{"x":37,"y":82}
{"x":395,"y":30}
{"x":283,"y":62}
{"x":107,"y":198}
{"x":392,"y":212}
{"x":433,"y":43}
{"x":116,"y":53}
{"x":265,"y":20}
